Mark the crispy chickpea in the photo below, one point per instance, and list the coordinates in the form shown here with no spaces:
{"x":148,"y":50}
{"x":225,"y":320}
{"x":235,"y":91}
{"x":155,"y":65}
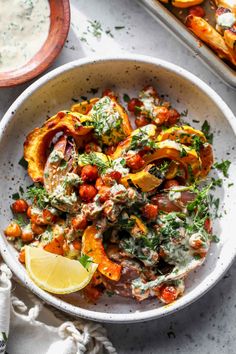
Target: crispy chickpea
{"x":92,"y":147}
{"x":19,"y":206}
{"x":135,"y":162}
{"x":104,"y":194}
{"x":99,"y":183}
{"x":37,"y":229}
{"x":116,"y":175}
{"x":27,"y":235}
{"x":197,"y":11}
{"x":150,"y":91}
{"x":110,"y":150}
{"x":141,"y":121}
{"x":87,"y":192}
{"x":109,"y":93}
{"x":77,"y":244}
{"x":22,"y":256}
{"x":134,"y":104}
{"x":150,"y":211}
{"x":173,"y":116}
{"x":13,"y":230}
{"x":79,"y":222}
{"x":89,"y":173}
{"x":168,"y":294}
{"x":29,"y":212}
{"x":49,"y":217}
{"x":171,"y":183}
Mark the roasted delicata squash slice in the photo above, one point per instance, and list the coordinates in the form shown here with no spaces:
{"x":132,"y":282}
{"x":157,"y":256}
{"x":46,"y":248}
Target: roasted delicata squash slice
{"x":147,"y":179}
{"x":210,"y":36}
{"x":183,"y":154}
{"x":183,"y":135}
{"x":185,"y":3}
{"x":148,"y":131}
{"x":38,"y":141}
{"x":92,"y":246}
{"x":110,"y":120}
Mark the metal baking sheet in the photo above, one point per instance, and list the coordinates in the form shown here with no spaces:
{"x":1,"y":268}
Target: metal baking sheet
{"x":174,"y":25}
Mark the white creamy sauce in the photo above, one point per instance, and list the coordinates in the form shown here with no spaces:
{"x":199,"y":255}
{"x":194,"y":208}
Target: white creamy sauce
{"x":24,"y":27}
{"x":226,"y":20}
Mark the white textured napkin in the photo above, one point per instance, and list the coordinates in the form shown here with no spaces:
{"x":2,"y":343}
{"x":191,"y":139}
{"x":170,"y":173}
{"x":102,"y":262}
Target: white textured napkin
{"x":21,"y":332}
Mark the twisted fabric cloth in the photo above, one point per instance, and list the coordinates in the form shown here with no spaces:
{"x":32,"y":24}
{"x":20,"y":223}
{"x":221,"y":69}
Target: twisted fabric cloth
{"x":21,"y":331}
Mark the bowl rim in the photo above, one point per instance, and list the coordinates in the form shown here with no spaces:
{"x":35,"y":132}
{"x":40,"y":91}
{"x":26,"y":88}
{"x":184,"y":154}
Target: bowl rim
{"x":27,"y":71}
{"x":91,"y":314}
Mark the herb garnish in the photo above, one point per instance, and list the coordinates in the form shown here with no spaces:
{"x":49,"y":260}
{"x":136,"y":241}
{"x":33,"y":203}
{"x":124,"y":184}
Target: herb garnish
{"x":126,"y":97}
{"x":96,"y":28}
{"x":38,"y":194}
{"x":141,"y":140}
{"x":23,"y":163}
{"x":93,"y":159}
{"x":206,"y":130}
{"x":223,"y":167}
{"x":85,"y":261}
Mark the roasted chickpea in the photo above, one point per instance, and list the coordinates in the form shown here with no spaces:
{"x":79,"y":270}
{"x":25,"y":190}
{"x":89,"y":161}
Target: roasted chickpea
{"x":22,"y":256}
{"x":110,"y":150}
{"x":48,"y":217}
{"x":87,"y":192}
{"x":27,"y":235}
{"x":197,"y":11}
{"x":99,"y":183}
{"x":77,"y":244}
{"x":37,"y":229}
{"x":171,"y":183}
{"x":150,"y":211}
{"x":104,"y":194}
{"x":168,"y":294}
{"x":135,"y":162}
{"x":13,"y":230}
{"x":141,"y":121}
{"x":89,"y":173}
{"x":134,"y":104}
{"x":29,"y":212}
{"x":116,"y":175}
{"x":109,"y":93}
{"x":92,"y":147}
{"x":173,"y":116}
{"x":19,"y":206}
{"x":79,"y":222}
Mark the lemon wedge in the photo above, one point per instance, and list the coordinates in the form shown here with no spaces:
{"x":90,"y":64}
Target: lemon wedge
{"x":56,"y":274}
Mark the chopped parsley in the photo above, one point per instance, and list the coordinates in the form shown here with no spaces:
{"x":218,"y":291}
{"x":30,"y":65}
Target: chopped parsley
{"x":119,"y":27}
{"x":223,"y":167}
{"x":206,"y":130}
{"x":183,"y":152}
{"x":196,"y":143}
{"x":126,"y":97}
{"x":23,"y":163}
{"x":93,"y":159}
{"x":141,"y":140}
{"x":184,"y":113}
{"x":38,"y":194}
{"x":15,"y":196}
{"x":95,"y":28}
{"x":85,"y":261}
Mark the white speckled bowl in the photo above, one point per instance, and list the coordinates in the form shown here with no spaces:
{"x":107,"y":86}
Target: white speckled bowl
{"x":126,"y":74}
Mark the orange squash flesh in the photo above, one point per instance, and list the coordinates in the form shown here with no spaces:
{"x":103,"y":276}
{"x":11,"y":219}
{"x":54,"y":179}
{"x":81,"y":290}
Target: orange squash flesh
{"x":37,"y":142}
{"x":92,"y":246}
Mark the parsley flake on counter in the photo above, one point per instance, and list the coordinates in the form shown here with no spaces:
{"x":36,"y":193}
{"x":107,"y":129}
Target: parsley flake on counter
{"x":206,"y":130}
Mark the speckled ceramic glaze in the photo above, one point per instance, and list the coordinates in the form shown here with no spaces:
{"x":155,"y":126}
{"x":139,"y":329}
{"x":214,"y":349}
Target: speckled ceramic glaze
{"x":57,"y":90}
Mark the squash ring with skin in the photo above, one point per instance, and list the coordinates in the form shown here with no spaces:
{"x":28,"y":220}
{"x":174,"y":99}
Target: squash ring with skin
{"x":92,"y":246}
{"x":85,"y":107}
{"x":171,"y":150}
{"x":38,"y":141}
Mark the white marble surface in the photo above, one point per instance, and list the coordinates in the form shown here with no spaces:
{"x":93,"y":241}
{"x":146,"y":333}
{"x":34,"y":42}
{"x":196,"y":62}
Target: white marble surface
{"x":207,"y":326}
